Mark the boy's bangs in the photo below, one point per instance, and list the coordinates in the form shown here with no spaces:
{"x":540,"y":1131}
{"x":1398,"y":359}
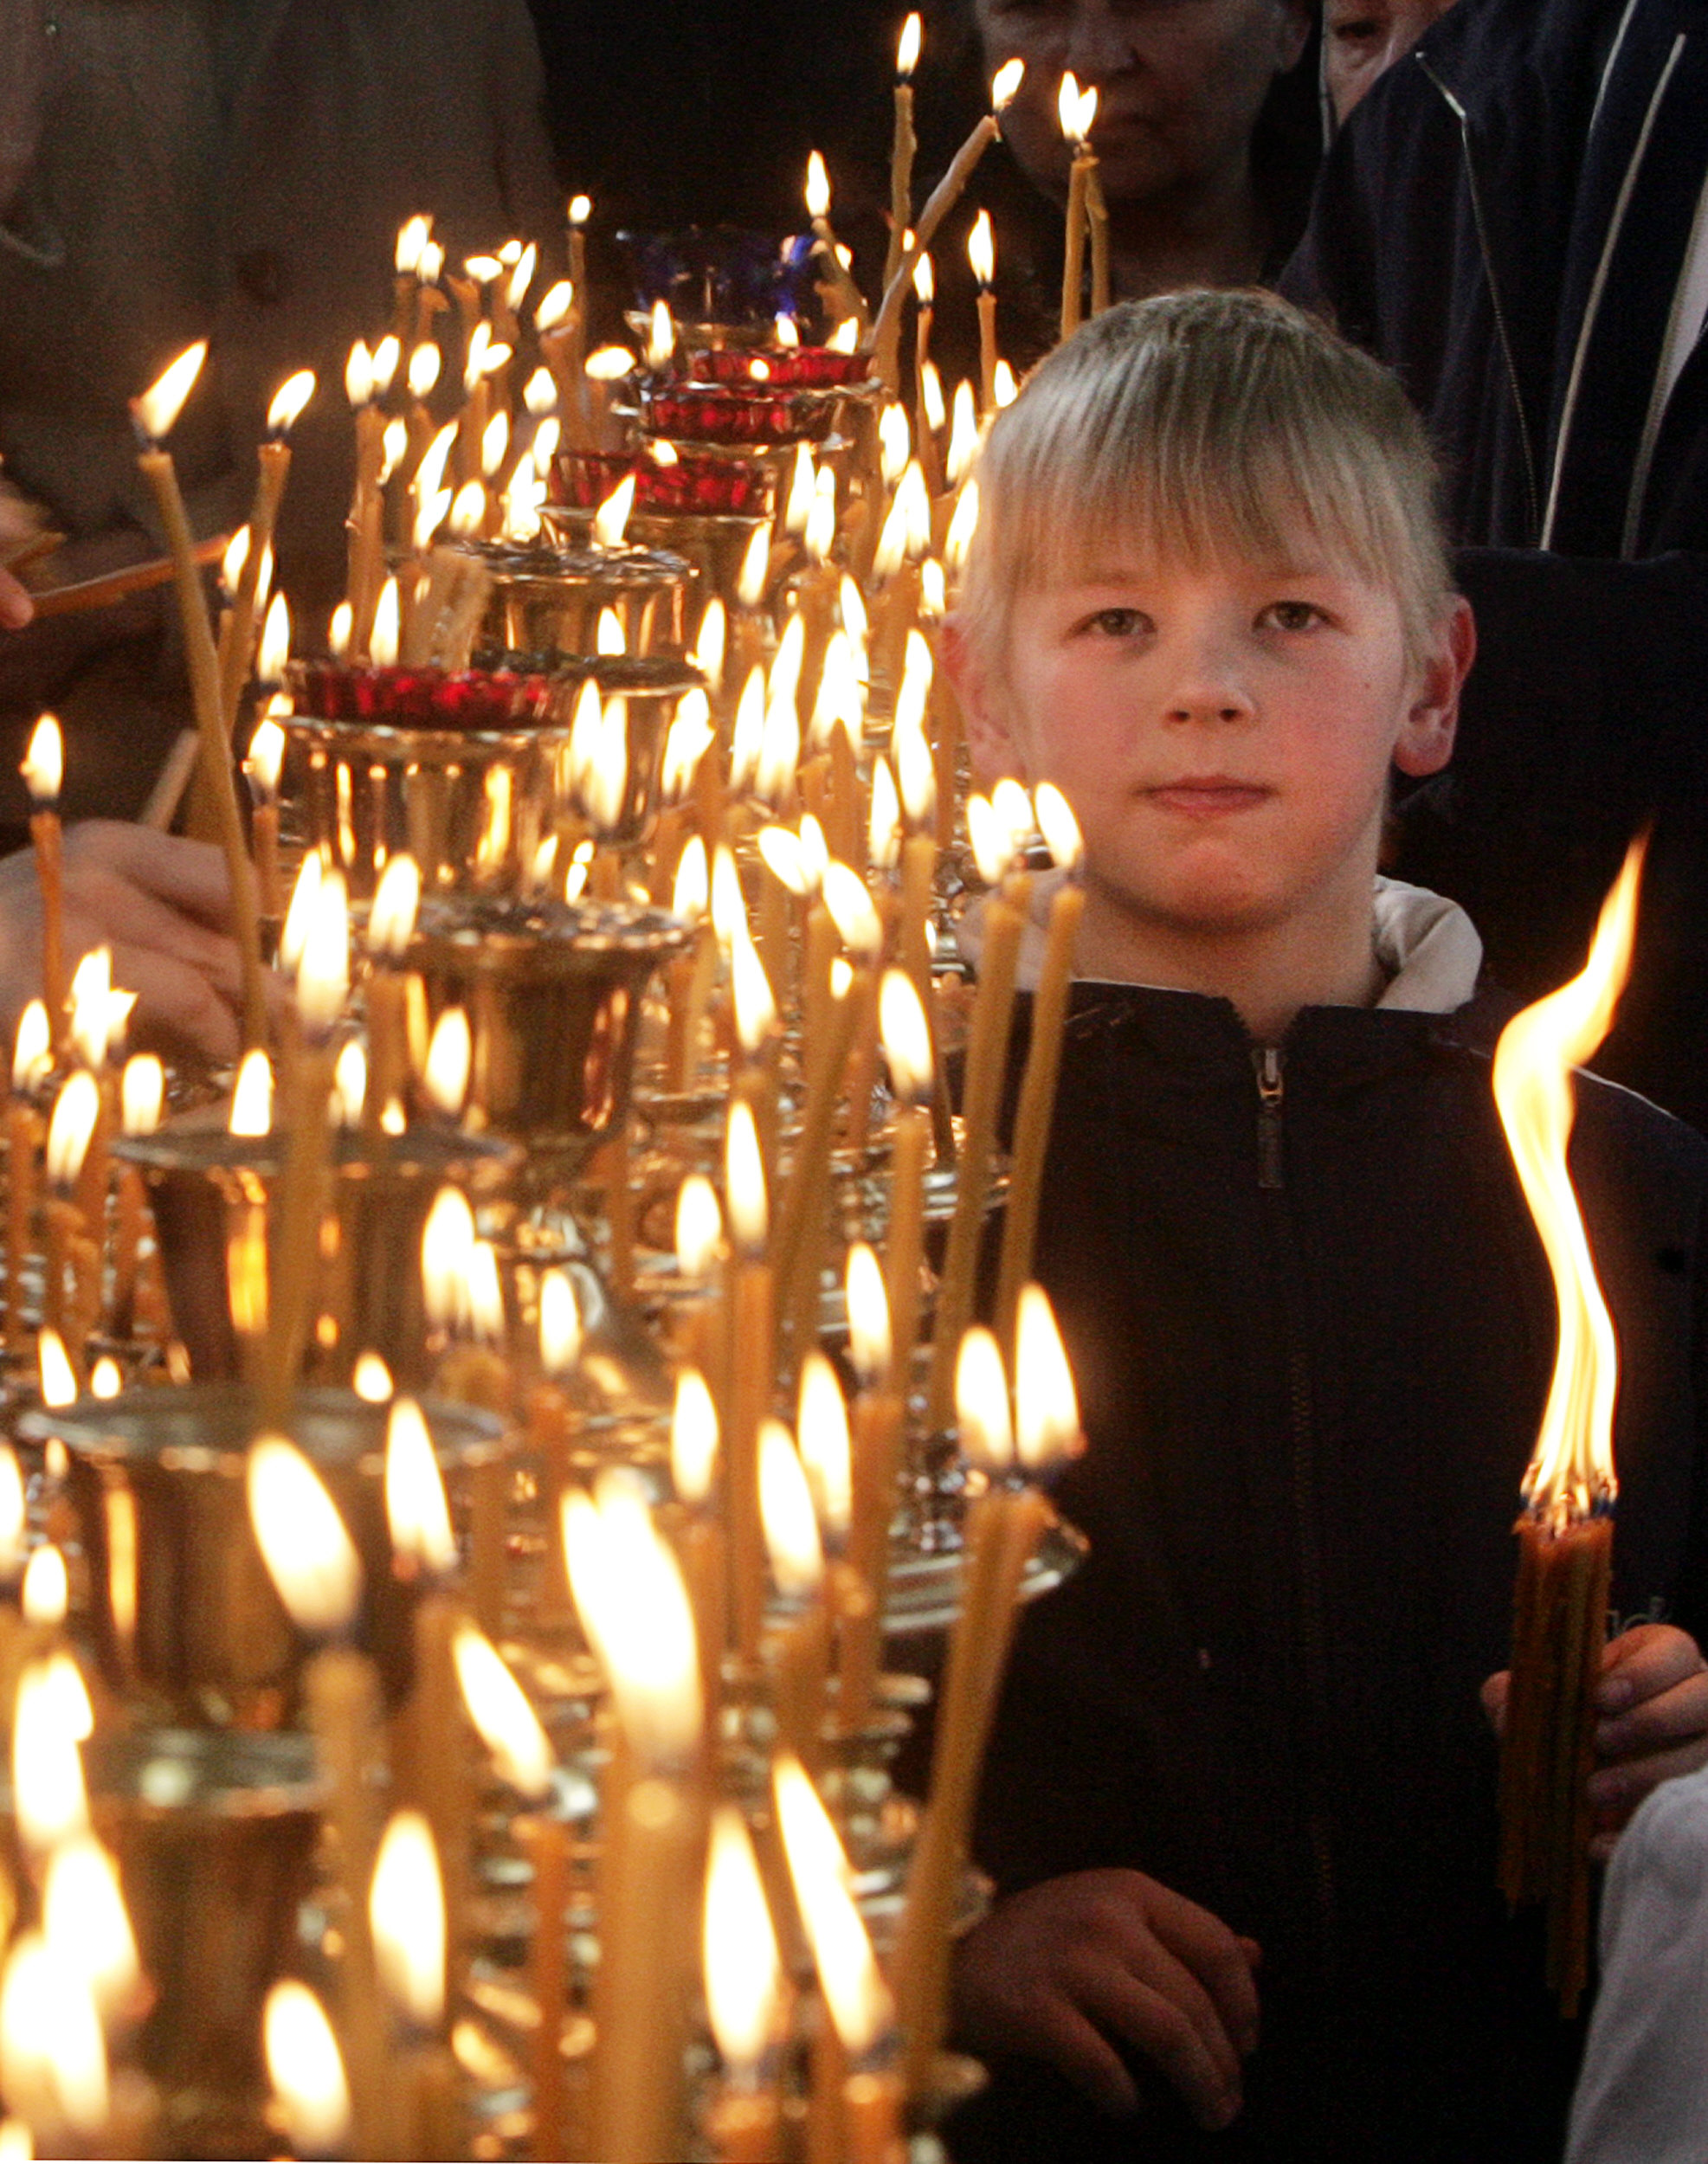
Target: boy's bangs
{"x":1145,"y":482}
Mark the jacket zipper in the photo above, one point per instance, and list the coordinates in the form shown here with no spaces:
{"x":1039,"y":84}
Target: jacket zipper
{"x":1531,"y":491}
{"x":1267,"y":1063}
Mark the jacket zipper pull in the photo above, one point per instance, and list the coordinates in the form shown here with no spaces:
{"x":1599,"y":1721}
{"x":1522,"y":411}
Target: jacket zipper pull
{"x":1267,"y":1062}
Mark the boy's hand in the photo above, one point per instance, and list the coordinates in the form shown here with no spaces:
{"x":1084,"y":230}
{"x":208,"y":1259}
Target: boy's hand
{"x":1653,"y":1704}
{"x":1069,"y":1969}
{"x":161,"y":904}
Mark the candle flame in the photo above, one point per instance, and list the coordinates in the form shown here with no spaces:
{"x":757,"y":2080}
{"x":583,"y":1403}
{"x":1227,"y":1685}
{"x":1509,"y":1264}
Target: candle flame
{"x":818,"y":188}
{"x":32,"y":1054}
{"x":468,"y":511}
{"x":44,"y":767}
{"x":580,"y":210}
{"x":305,"y":896}
{"x":450,"y":1060}
{"x":560,"y":1331}
{"x":963,"y":439}
{"x":342,"y":627}
{"x":323,"y":973}
{"x":821,"y":534}
{"x":483,"y":269}
{"x":660,"y":336}
{"x":309,"y":1555}
{"x":46,"y":1593}
{"x":692,"y":890}
{"x":1004,"y":388}
{"x":1047,"y":1408}
{"x":503,"y":1719}
{"x":609,"y":364}
{"x":634,"y":1607}
{"x":387,"y":354}
{"x":266,"y":759}
{"x":275,"y":642}
{"x":425,"y":363}
{"x":924,"y":284}
{"x":691,"y":737}
{"x":483,"y":1294}
{"x":797,"y":507}
{"x":916,"y":771}
{"x":49,"y":1796}
{"x":305,"y":2069}
{"x":825,"y":1452}
{"x":895,"y":443}
{"x":71,"y":1128}
{"x":406,"y":1914}
{"x":106,"y":1381}
{"x":711,"y":640}
{"x":494,"y":442}
{"x":906,"y":1036}
{"x":158,"y":410}
{"x":869,"y":1336}
{"x":750,"y":993}
{"x":417,"y":1514}
{"x":14,"y":1514}
{"x":699,"y":1227}
{"x":412,"y":237}
{"x":371,"y":1380}
{"x":91,"y":998}
{"x":982,"y":1401}
{"x":786,"y":1512}
{"x":838,"y":701}
{"x":84,"y":1919}
{"x":861,"y":2009}
{"x":749,"y":590}
{"x":1058,"y":825}
{"x":747,"y":738}
{"x":386,"y":637}
{"x":883,"y":842}
{"x":1013,"y":807}
{"x":53,"y":2056}
{"x":1006,"y":81}
{"x":781,"y":850}
{"x":844,"y":338}
{"x":289,"y":400}
{"x":252,"y":1097}
{"x":610,"y":521}
{"x":744,"y":1180}
{"x":851,"y":911}
{"x":142,"y":1094}
{"x":231,"y":563}
{"x":358,"y":375}
{"x":609,"y":638}
{"x":555,"y":305}
{"x":522,"y":276}
{"x":907,"y":46}
{"x":981,"y":250}
{"x":431,"y":473}
{"x":693,"y":1439}
{"x":1571,"y":1473}
{"x":813,"y":854}
{"x":779,"y":752}
{"x":392,"y":918}
{"x":743,"y":1971}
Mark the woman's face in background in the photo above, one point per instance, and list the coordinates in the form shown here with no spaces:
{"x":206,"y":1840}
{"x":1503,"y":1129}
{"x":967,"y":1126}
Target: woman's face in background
{"x":1180,"y":84}
{"x":1362,"y":37}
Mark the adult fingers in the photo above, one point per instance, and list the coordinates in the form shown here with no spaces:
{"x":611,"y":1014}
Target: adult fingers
{"x":177,"y":1003}
{"x":1205,"y":1945}
{"x":1494,"y":1695}
{"x":190,"y":875}
{"x":1157,"y":2024}
{"x":1647,"y":1658}
{"x":1672,"y":1716}
{"x":106,"y":908}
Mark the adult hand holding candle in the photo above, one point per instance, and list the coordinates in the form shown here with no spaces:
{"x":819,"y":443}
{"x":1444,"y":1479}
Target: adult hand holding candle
{"x":156,"y":412}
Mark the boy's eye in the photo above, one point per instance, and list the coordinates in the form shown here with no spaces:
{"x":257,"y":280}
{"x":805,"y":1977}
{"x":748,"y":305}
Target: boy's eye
{"x":1118,"y":623}
{"x":1292,"y":615}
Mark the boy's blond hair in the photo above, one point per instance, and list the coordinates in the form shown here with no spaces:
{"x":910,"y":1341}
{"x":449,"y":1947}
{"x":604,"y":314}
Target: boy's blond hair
{"x":1202,"y":427}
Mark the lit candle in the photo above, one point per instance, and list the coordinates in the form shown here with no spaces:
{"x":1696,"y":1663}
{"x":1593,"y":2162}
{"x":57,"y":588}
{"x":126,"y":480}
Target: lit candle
{"x":982,"y":254}
{"x":838,"y":287}
{"x":42,"y":770}
{"x":1043,"y":1060}
{"x":70,"y":1130}
{"x":1076,"y":109}
{"x":155,"y":413}
{"x":367,"y":508}
{"x":142,"y":1101}
{"x":263,"y":767}
{"x":305,"y":2069}
{"x":743,"y":1996}
{"x":886,"y":331}
{"x":752,"y":1340}
{"x":318,"y":1574}
{"x":903,"y":144}
{"x":32,"y":1064}
{"x":274,"y":467}
{"x":406,"y":1920}
{"x":879,"y":1420}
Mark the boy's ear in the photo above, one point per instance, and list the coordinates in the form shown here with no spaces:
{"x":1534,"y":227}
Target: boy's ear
{"x":983,"y":707}
{"x":1426,"y":738}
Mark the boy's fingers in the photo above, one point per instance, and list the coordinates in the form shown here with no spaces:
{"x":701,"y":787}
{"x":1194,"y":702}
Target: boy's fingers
{"x":1616,"y":1791}
{"x":178,"y":1003}
{"x":1151,"y":2022}
{"x":126,"y":917}
{"x":17,"y":609}
{"x":1644,"y":1661}
{"x":1078,"y":2049}
{"x":1205,"y":1946}
{"x":1677,"y":1715}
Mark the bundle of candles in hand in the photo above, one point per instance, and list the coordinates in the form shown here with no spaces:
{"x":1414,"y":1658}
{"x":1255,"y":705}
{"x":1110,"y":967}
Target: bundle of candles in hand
{"x":478,"y":1471}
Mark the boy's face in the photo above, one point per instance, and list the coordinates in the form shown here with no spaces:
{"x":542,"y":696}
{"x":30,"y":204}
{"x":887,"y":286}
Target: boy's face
{"x":1224,"y":737}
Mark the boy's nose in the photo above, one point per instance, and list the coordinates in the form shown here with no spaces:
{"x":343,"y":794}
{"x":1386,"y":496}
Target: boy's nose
{"x":1209,"y":694}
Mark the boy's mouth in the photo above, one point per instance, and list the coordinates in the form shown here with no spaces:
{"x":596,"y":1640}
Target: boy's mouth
{"x":1207,"y":795}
